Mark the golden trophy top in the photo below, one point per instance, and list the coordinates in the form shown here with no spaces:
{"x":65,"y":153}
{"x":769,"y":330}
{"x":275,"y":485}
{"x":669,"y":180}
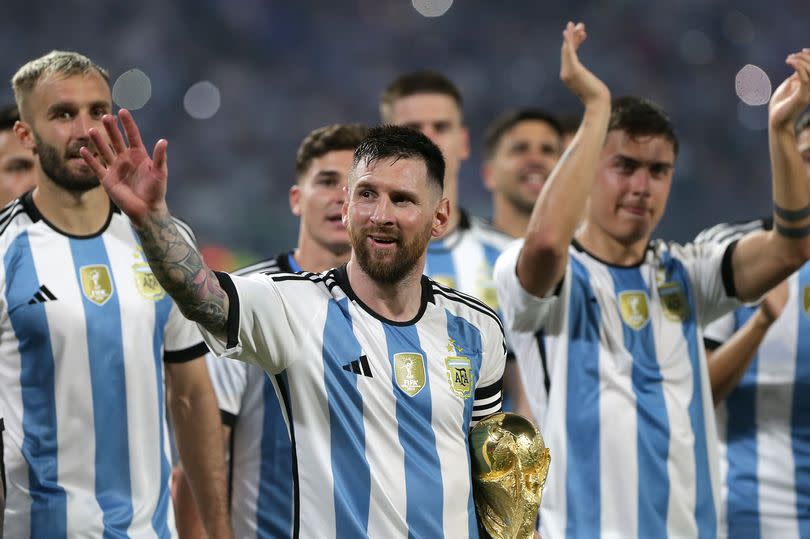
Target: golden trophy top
{"x":509,"y":467}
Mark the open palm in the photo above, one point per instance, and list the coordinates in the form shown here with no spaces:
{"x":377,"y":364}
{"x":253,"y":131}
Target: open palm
{"x":793,"y":95}
{"x":135,"y":181}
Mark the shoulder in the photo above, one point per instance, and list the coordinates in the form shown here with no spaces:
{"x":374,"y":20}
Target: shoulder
{"x":724,"y":232}
{"x":487,"y":234}
{"x":12,"y":217}
{"x":269,"y":266}
{"x":464,"y":305}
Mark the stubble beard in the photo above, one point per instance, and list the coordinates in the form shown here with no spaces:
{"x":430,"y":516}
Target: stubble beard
{"x":55,"y":168}
{"x":389,"y":270}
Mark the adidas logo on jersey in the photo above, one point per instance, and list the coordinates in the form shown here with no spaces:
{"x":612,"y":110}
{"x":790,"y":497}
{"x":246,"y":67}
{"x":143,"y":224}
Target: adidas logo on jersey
{"x":359,"y":366}
{"x":42,"y":296}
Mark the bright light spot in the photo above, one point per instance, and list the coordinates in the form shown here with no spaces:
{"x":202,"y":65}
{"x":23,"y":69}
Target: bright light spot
{"x":738,"y":28}
{"x":132,"y":89}
{"x":696,"y":48}
{"x":753,"y":86}
{"x":753,"y":118}
{"x":202,"y":100}
{"x":432,"y":8}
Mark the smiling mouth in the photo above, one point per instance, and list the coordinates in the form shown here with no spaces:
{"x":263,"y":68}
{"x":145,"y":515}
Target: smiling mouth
{"x":383,"y":240}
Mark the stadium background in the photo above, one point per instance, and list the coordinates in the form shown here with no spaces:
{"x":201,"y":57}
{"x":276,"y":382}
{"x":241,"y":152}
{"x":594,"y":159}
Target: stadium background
{"x":283,"y":68}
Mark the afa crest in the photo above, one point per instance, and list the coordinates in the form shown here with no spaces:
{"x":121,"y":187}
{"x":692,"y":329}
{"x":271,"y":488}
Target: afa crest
{"x":409,"y":371}
{"x":146,"y":282}
{"x":459,"y":375}
{"x":634,"y":308}
{"x":673,"y":302}
{"x":97,"y":284}
{"x":806,"y":300}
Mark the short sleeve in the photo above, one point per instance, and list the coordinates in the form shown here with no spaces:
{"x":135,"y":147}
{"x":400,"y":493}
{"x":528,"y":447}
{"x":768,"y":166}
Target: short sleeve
{"x":719,"y":331}
{"x":488,"y":390}
{"x":259,"y":330}
{"x":229,"y":379}
{"x":522,"y":311}
{"x":182,"y":340}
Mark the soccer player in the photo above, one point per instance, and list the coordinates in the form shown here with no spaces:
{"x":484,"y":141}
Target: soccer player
{"x":629,"y":421}
{"x":254,"y":424}
{"x":381,"y":370}
{"x":18,"y":172}
{"x":86,"y":334}
{"x":759,"y":363}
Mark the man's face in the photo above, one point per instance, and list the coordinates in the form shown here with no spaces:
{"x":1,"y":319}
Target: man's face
{"x":524,"y":157}
{"x":632,"y":186}
{"x":804,"y":149}
{"x":392,"y":213}
{"x":17,"y":167}
{"x":317,"y":199}
{"x":438,"y":117}
{"x":61,"y":110}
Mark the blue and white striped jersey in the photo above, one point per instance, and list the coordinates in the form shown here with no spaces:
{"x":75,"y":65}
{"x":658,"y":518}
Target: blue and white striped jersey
{"x":764,"y":423}
{"x":261,"y":484}
{"x":378,"y":411}
{"x":465,"y":258}
{"x":84,"y":331}
{"x":629,"y":419}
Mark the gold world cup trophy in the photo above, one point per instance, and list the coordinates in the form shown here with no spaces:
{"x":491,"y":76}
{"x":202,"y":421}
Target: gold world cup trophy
{"x":509,"y":468}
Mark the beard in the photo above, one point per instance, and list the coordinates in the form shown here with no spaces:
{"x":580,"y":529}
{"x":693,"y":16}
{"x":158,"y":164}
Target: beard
{"x":55,"y":167}
{"x":384,"y":268}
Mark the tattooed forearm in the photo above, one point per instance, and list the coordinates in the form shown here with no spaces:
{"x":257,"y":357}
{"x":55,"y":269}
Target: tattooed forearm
{"x":179,"y":268}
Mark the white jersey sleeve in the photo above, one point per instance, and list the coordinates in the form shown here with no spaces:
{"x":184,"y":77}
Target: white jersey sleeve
{"x":260,"y":328}
{"x":182,"y":339}
{"x":229,"y":379}
{"x":488,"y":390}
{"x":522,"y":310}
{"x":720,"y":330}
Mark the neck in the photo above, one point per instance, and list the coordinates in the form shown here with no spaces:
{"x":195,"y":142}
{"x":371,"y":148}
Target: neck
{"x":79,"y":214}
{"x":311,"y":256}
{"x":508,"y":219}
{"x":399,"y":302}
{"x":605,"y":247}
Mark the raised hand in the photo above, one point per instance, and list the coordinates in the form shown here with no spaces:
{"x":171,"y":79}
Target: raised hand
{"x":134,"y":181}
{"x":793,"y":95}
{"x":574,"y":75}
{"x":774,"y":302}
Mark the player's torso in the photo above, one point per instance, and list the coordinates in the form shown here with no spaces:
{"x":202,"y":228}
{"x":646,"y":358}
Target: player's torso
{"x":83,"y":402}
{"x":764,"y":426}
{"x":380,"y":420}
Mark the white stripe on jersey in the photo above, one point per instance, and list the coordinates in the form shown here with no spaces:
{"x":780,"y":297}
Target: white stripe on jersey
{"x":374,"y":459}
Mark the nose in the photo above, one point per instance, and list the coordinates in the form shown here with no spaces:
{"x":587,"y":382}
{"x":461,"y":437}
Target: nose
{"x":640,"y":181}
{"x":382,"y":214}
{"x":82,"y":124}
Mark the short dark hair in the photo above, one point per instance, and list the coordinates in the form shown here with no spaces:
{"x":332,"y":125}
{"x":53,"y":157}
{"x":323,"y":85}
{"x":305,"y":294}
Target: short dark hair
{"x":330,"y":138}
{"x":639,"y":117}
{"x":803,"y":123}
{"x":508,"y":120}
{"x":8,"y":117}
{"x":394,"y":141}
{"x":418,"y":82}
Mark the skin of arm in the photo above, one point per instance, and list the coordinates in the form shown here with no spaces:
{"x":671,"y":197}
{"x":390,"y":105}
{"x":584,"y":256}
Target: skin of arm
{"x":543,"y":259}
{"x":196,"y":419}
{"x":136,"y":183}
{"x":729,"y":361}
{"x":763,"y":259}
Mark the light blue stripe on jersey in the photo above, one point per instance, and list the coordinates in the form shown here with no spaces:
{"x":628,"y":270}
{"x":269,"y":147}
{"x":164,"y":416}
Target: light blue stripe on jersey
{"x":423,"y":474}
{"x":274,"y":503}
{"x":39,"y":445}
{"x":350,"y":469}
{"x":491,"y":253}
{"x":160,"y":518}
{"x":108,"y":380}
{"x":741,"y":434}
{"x":467,"y":339}
{"x":705,"y":511}
{"x":440,"y":264}
{"x":800,"y":423}
{"x":652,"y":438}
{"x":583,"y":485}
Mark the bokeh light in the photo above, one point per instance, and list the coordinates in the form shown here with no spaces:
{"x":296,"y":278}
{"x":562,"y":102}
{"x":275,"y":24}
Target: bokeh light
{"x":132,"y":89}
{"x":432,"y":8}
{"x":202,"y":100}
{"x":753,"y":86}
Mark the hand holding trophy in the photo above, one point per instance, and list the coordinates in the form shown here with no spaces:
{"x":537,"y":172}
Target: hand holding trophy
{"x":509,"y":467}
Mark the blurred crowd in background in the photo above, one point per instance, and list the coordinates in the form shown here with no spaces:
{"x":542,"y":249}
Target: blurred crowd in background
{"x":283,"y":68}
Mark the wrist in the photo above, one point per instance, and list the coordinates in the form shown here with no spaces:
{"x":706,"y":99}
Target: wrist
{"x":762,"y":319}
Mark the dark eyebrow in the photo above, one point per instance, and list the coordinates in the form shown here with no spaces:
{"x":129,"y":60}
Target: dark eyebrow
{"x":327,"y":174}
{"x":61,"y":106}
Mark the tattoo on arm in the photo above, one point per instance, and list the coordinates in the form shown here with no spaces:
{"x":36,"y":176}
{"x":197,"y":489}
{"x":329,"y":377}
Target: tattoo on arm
{"x":791,"y":215}
{"x":181,"y":271}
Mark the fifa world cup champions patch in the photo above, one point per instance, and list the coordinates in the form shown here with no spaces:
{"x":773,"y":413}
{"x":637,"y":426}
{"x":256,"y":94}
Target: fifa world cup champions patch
{"x":97,"y":284}
{"x":409,"y":371}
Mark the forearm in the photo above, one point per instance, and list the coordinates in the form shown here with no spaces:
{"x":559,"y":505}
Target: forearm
{"x":562,"y":202}
{"x":728,"y":363}
{"x":199,"y":441}
{"x":180,"y":269}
